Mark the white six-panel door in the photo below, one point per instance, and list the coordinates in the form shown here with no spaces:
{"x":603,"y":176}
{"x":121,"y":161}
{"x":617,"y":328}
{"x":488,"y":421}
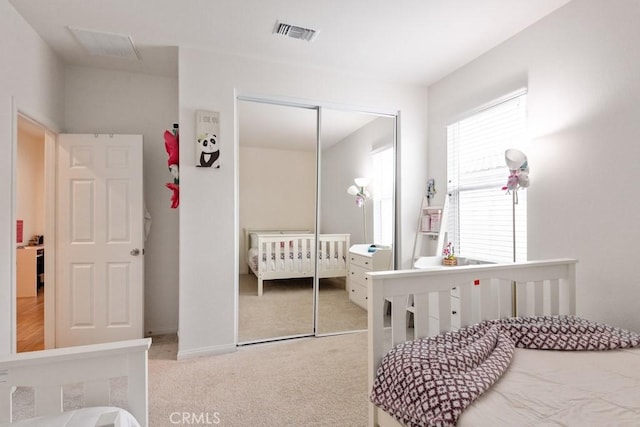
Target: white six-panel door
{"x":99,"y":248}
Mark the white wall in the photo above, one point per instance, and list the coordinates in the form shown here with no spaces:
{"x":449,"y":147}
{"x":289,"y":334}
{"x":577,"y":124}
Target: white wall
{"x":208,"y":221}
{"x":30,"y":184}
{"x":276,"y":191}
{"x":581,"y":65}
{"x":341,"y":163}
{"x":105,"y":101}
{"x":32,"y":76}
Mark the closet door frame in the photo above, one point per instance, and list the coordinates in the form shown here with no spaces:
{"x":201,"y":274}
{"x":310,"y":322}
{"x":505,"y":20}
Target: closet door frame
{"x":318,"y":106}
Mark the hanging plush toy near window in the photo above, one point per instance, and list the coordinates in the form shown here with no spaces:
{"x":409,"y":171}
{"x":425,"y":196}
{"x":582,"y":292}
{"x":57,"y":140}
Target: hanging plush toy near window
{"x":518,"y":166}
{"x":171,"y":144}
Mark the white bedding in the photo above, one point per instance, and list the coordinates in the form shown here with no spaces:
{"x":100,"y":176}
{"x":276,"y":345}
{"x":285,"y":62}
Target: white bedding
{"x":85,"y":417}
{"x":562,"y":388}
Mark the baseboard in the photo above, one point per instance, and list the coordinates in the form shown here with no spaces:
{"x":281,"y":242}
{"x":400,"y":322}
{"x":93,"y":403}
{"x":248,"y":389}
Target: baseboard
{"x":206,"y":351}
{"x":156,"y":332}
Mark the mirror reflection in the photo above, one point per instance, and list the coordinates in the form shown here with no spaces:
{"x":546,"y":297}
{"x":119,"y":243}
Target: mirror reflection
{"x":294,"y":282}
{"x":356,"y":198}
{"x":277,"y":201}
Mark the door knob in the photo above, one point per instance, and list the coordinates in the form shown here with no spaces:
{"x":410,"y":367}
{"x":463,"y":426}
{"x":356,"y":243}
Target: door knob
{"x":135,"y":252}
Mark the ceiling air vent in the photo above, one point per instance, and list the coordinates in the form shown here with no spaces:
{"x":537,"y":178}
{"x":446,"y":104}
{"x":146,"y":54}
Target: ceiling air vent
{"x":106,"y":44}
{"x":294,"y":31}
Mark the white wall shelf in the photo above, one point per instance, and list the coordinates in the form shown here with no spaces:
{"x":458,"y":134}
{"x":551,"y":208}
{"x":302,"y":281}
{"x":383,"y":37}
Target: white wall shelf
{"x":432,"y":222}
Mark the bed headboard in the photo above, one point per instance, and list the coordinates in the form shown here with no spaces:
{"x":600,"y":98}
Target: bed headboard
{"x":484,"y":292}
{"x":249,"y":231}
{"x":47,"y":371}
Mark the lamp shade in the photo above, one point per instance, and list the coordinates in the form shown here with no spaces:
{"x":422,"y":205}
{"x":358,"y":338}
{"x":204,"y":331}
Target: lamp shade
{"x":362,"y":182}
{"x":353,"y":190}
{"x":515,"y":159}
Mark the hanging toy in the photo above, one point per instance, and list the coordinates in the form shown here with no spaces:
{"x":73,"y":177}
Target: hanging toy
{"x":518,"y":166}
{"x":512,"y":182}
{"x":175,"y":195}
{"x":171,"y":144}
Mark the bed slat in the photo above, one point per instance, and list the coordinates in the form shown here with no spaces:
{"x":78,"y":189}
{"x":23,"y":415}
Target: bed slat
{"x":398,"y":319}
{"x":554,"y":291}
{"x":421,"y":319}
{"x":444,"y":310}
{"x":521,"y":297}
{"x":465,"y":312}
{"x":488,"y":300}
{"x":538,"y":298}
{"x":137,"y":385}
{"x":5,"y":400}
{"x":570,"y":285}
{"x":505,"y":288}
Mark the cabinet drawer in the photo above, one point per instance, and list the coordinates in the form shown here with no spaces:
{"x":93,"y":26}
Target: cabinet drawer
{"x":455,"y":306}
{"x":358,"y":295}
{"x":362,"y":261}
{"x":357,"y":274}
{"x":455,"y":313}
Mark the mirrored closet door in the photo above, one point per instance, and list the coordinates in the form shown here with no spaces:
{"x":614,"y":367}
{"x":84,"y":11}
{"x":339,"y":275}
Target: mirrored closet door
{"x":277,"y":200}
{"x":300,"y":219}
{"x":356,"y":199}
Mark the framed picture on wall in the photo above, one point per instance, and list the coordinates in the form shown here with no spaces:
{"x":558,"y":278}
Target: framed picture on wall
{"x":207,"y":139}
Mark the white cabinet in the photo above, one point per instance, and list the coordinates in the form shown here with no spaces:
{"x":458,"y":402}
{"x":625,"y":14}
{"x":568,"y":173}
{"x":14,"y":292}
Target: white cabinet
{"x":455,"y":308}
{"x":30,"y":263}
{"x":362,"y":261}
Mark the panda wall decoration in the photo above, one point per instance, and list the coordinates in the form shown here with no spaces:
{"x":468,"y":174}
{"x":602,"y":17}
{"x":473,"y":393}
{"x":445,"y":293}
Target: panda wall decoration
{"x":207,"y":139}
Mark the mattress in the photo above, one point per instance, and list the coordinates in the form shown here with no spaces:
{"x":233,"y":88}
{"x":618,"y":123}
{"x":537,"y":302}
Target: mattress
{"x":80,"y":418}
{"x":569,"y":388}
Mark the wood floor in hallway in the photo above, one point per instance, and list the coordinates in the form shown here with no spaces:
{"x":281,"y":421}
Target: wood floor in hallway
{"x":30,"y":322}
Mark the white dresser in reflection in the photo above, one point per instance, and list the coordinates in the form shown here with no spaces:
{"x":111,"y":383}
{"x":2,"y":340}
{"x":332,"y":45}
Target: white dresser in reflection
{"x":362,"y":261}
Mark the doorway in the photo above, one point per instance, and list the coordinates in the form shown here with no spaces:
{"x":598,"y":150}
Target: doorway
{"x":30,"y":232}
{"x":120,"y":220}
{"x":296,"y":163}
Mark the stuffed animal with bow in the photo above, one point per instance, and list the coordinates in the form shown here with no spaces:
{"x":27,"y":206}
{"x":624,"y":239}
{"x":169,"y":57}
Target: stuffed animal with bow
{"x":172,"y":145}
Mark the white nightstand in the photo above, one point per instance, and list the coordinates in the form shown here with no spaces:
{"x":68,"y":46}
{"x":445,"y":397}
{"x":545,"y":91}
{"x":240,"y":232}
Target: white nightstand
{"x":362,"y":261}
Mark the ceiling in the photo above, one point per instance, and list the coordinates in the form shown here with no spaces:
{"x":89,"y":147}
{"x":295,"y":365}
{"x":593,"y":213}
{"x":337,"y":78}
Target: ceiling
{"x":405,"y":41}
{"x":414,"y":41}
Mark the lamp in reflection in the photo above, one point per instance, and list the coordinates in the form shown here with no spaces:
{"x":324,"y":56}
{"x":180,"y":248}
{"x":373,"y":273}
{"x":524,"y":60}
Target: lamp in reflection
{"x":359,"y":189}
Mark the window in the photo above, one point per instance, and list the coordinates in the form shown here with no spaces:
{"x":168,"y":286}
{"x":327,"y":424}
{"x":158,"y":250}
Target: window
{"x":481,"y":213}
{"x":383,"y":196}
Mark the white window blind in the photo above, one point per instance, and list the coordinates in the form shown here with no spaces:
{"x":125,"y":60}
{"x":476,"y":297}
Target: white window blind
{"x":383,"y":196}
{"x":481,"y":221}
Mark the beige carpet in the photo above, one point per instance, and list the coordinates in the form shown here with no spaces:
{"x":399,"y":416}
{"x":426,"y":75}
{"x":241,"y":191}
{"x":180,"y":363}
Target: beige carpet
{"x":286,"y":308}
{"x":303,"y":382}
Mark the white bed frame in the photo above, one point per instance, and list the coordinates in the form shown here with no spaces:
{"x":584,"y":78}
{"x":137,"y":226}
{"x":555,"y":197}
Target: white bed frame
{"x":542,"y":288}
{"x":277,"y":244}
{"x":93,"y":365}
